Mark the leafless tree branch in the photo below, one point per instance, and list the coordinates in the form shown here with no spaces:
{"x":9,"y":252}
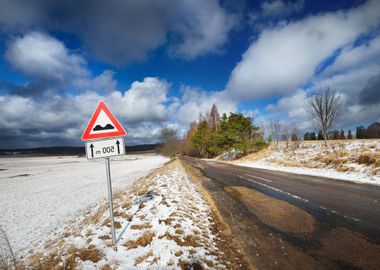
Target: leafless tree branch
{"x":324,"y":108}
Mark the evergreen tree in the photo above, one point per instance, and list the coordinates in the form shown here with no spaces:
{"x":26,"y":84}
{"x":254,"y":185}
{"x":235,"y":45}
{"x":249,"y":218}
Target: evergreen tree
{"x":312,"y":136}
{"x":361,"y":132}
{"x":342,"y":136}
{"x":214,"y":136}
{"x":306,"y":137}
{"x":373,"y":130}
{"x":349,"y":135}
{"x":200,"y":138}
{"x":320,"y":135}
{"x":358,"y":133}
{"x":336,"y":135}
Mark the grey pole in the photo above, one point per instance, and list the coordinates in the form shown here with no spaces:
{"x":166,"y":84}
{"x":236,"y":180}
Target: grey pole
{"x":108,"y":169}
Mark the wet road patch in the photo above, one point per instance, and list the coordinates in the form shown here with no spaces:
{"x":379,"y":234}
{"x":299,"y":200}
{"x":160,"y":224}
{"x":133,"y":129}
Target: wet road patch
{"x":275,"y":213}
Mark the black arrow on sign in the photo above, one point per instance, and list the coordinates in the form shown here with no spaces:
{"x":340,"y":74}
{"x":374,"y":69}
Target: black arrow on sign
{"x":118,"y":147}
{"x":92,"y":150}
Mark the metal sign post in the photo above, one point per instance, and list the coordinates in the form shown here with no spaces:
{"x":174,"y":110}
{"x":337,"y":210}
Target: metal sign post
{"x":104,"y":139}
{"x":108,"y":171}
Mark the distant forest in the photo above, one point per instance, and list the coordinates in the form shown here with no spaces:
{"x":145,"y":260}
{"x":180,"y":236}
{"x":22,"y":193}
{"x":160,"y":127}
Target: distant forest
{"x":370,"y":132}
{"x":70,"y":150}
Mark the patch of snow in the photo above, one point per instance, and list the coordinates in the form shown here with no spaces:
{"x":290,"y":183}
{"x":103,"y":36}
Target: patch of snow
{"x":38,"y":195}
{"x":164,"y":223}
{"x":307,"y":160}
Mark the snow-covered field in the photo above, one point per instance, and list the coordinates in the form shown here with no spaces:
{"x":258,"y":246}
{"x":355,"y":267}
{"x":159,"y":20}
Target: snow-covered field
{"x":351,"y":160}
{"x":38,"y":195}
{"x":162,"y":222}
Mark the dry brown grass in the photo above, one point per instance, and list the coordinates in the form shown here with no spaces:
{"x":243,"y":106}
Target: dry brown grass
{"x":117,"y":225}
{"x":167,"y":221}
{"x":179,"y":231}
{"x":141,"y":226}
{"x":143,"y":258}
{"x":104,"y":237}
{"x":121,"y":214}
{"x":369,"y":158}
{"x":191,"y":265}
{"x":178,"y":253}
{"x":90,"y":254}
{"x":255,"y":156}
{"x":68,"y":260}
{"x":142,"y":241}
{"x":188,"y":240}
{"x":95,"y":218}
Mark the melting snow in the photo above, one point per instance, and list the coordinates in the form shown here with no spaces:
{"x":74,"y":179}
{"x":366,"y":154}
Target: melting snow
{"x":162,"y":221}
{"x":38,"y":195}
{"x":339,"y":161}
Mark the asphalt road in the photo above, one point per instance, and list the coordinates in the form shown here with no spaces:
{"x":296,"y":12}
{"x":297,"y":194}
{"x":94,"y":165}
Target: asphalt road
{"x":290,"y":221}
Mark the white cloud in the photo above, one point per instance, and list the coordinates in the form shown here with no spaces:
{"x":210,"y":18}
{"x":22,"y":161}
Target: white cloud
{"x":204,"y":28}
{"x":195,"y":101}
{"x":272,"y":12}
{"x":284,"y":58}
{"x":351,"y":82}
{"x":103,"y":83}
{"x":120,"y":32}
{"x":39,"y":55}
{"x":140,"y":109}
{"x":353,"y":57}
{"x":293,"y":108}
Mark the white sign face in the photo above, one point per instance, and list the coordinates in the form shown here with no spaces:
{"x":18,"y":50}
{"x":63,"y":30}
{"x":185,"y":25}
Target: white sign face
{"x":105,"y":148}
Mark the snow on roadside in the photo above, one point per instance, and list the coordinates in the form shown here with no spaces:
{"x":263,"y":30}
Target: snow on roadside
{"x":38,"y":195}
{"x":330,"y":173}
{"x":350,"y":160}
{"x":162,"y":221}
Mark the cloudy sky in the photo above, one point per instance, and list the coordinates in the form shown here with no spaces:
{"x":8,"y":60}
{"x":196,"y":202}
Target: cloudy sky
{"x":162,"y":63}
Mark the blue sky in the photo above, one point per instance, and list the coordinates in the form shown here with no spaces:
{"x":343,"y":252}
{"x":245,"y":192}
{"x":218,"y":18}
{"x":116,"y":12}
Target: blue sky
{"x":159,"y":64}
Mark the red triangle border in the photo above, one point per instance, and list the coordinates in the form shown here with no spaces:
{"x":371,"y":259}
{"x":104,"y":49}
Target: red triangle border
{"x":102,"y":106}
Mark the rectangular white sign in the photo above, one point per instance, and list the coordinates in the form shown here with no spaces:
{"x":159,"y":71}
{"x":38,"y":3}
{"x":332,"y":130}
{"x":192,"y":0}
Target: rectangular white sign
{"x":105,"y":148}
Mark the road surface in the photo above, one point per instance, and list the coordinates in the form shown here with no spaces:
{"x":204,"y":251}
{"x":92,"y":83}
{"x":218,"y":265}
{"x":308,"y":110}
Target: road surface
{"x":290,"y":221}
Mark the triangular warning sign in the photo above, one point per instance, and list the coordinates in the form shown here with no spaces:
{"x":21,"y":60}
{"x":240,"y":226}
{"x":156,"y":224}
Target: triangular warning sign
{"x":103,"y":124}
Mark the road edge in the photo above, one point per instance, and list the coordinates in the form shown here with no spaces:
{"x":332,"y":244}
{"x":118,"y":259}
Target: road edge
{"x":229,"y":245}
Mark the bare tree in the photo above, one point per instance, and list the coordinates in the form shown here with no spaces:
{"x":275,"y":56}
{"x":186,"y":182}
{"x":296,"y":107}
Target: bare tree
{"x":324,"y":108}
{"x":285,"y":137}
{"x":170,"y":142}
{"x":295,"y":138}
{"x":275,"y":128}
{"x":214,"y":118}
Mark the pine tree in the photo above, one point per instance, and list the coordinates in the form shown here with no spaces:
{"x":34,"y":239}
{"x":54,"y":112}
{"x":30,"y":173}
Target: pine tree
{"x":312,"y":136}
{"x":306,"y":137}
{"x":358,"y":133}
{"x":336,"y":135}
{"x":349,"y":135}
{"x":200,"y":138}
{"x":361,"y":132}
{"x":320,"y":135}
{"x":342,"y":136}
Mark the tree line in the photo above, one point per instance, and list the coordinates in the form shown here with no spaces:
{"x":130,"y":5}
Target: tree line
{"x":371,"y":132}
{"x":332,"y":135}
{"x":213,"y":135}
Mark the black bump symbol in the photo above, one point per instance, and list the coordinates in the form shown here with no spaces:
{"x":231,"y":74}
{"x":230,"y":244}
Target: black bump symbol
{"x":106,"y":127}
